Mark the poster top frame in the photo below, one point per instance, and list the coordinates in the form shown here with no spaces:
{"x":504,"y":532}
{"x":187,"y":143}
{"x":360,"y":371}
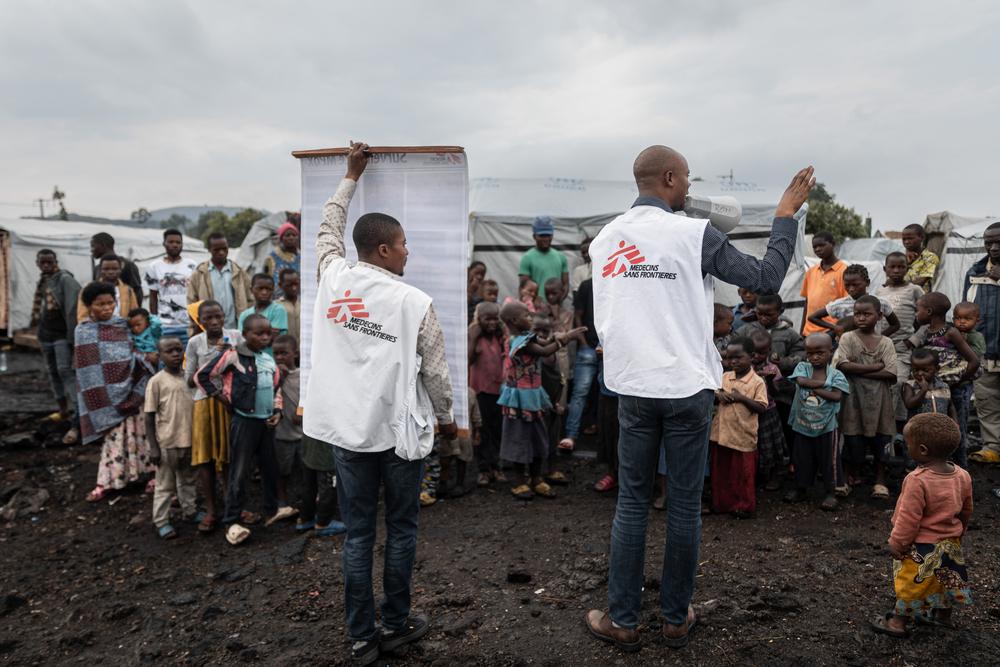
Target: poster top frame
{"x":324,"y":152}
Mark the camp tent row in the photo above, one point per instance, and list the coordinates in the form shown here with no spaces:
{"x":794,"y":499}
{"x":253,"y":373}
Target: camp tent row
{"x":958,"y":240}
{"x":21,"y":239}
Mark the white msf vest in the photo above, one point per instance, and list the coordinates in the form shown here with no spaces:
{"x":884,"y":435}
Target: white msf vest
{"x":364,"y":392}
{"x":653,"y":308}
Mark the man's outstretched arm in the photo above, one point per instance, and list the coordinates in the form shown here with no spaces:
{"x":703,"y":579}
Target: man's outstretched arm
{"x":330,"y":240}
{"x":763,"y":276}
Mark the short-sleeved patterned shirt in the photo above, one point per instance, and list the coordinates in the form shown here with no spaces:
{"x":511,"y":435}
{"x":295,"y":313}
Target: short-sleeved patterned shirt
{"x":924,"y":266}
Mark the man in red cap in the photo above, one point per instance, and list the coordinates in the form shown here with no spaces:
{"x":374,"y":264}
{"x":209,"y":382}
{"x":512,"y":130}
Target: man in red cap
{"x":284,"y":256}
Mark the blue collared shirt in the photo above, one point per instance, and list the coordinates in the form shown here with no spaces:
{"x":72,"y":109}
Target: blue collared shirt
{"x":721,"y":259}
{"x":222,"y":290}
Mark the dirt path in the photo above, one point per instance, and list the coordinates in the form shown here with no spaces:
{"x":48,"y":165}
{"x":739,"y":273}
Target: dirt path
{"x":84,"y":583}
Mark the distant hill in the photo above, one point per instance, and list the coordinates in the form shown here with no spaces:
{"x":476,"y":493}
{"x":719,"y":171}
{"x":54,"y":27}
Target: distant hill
{"x":192,"y":212}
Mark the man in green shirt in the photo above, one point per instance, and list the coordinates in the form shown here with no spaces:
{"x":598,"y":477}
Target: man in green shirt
{"x":544,"y":262}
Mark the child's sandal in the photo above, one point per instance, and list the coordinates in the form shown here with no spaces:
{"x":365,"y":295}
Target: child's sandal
{"x":522,"y":492}
{"x":207,"y":523}
{"x":97,"y":494}
{"x":544,"y":490}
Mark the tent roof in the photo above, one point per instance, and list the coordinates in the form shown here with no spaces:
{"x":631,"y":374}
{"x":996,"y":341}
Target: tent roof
{"x":133,"y":242}
{"x":584,"y":198}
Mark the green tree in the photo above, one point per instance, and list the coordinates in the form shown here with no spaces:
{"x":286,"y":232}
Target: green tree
{"x":235,"y":228}
{"x":825,"y":214}
{"x":141,"y":215}
{"x":208,"y":222}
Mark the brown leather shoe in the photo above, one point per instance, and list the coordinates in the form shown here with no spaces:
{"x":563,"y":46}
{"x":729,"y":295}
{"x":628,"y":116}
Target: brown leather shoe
{"x":676,"y":636}
{"x":600,"y":625}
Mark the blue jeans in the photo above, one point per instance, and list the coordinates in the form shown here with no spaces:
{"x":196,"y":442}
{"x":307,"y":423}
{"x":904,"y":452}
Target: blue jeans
{"x":680,"y":427}
{"x":583,"y":377}
{"x":359,"y":476}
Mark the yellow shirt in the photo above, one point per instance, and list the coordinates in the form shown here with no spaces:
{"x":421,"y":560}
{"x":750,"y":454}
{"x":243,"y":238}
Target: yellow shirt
{"x":820,"y":287}
{"x":923,"y":266}
{"x":735,"y":425}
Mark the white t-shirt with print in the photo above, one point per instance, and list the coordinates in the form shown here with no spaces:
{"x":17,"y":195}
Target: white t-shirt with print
{"x":169,"y":280}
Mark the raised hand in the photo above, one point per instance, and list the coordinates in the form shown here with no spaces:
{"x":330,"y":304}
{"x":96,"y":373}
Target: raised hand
{"x":796,"y":193}
{"x":357,"y":160}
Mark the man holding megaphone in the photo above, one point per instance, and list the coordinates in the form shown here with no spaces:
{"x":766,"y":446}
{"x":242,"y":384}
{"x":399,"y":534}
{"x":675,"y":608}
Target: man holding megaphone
{"x":653,"y":303}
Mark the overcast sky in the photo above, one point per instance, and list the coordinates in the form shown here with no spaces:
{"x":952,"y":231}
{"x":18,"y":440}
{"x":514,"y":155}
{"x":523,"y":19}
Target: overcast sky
{"x":128,"y":104}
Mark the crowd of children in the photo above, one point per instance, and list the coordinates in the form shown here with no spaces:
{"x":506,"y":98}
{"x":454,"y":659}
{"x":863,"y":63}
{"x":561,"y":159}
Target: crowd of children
{"x":870,"y":380}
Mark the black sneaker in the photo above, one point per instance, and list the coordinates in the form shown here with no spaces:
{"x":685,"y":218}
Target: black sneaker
{"x":366,"y":652}
{"x":414,"y":628}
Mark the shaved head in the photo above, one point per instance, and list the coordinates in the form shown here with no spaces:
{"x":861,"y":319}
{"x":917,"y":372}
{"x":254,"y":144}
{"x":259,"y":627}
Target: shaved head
{"x":662,"y":172}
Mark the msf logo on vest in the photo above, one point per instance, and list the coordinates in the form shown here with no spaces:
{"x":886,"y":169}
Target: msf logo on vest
{"x":629,"y":262}
{"x":351,"y":312}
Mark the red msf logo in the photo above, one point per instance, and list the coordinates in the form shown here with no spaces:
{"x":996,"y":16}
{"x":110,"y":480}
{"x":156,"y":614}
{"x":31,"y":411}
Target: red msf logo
{"x":621,"y":260}
{"x":343,"y":309}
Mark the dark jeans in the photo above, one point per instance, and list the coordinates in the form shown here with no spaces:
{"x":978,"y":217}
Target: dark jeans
{"x":359,"y":476}
{"x":250,"y":439}
{"x":961,"y":398}
{"x":680,"y":427}
{"x":488,"y":454}
{"x":319,"y":496}
{"x":58,"y":355}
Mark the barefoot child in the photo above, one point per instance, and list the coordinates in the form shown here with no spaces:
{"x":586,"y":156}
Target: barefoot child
{"x":168,"y":411}
{"x":931,"y":517}
{"x":742,"y":399}
{"x":868,"y":359}
{"x":211,"y":420}
{"x":248,"y":381}
{"x":819,"y":390}
{"x":486,"y":354}
{"x":524,"y":401}
{"x":288,"y":432}
{"x":959,"y":364}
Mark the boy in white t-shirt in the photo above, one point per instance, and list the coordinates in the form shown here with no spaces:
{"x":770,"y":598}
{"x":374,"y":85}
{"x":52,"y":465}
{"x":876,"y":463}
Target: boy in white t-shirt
{"x":167,"y":280}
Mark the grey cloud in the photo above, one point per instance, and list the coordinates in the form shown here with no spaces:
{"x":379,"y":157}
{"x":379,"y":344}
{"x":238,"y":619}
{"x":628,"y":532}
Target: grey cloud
{"x":128,"y":104}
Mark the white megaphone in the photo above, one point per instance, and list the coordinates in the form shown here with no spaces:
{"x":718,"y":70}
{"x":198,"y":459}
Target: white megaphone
{"x":723,"y":212}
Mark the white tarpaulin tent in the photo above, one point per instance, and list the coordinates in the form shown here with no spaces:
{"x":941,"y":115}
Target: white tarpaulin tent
{"x":23,"y":238}
{"x":962,"y":247}
{"x":868,"y":250}
{"x":502,"y":211}
{"x":259,"y":242}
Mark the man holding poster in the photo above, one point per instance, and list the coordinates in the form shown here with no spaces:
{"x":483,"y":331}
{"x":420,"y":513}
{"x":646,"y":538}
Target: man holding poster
{"x":379,"y":379}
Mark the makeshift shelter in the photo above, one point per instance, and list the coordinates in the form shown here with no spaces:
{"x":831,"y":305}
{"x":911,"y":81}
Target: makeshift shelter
{"x":259,"y":242}
{"x":961,"y":248}
{"x":21,"y":239}
{"x":502,"y":211}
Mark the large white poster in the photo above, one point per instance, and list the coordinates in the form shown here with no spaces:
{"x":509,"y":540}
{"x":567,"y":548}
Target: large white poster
{"x":427,"y":191}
